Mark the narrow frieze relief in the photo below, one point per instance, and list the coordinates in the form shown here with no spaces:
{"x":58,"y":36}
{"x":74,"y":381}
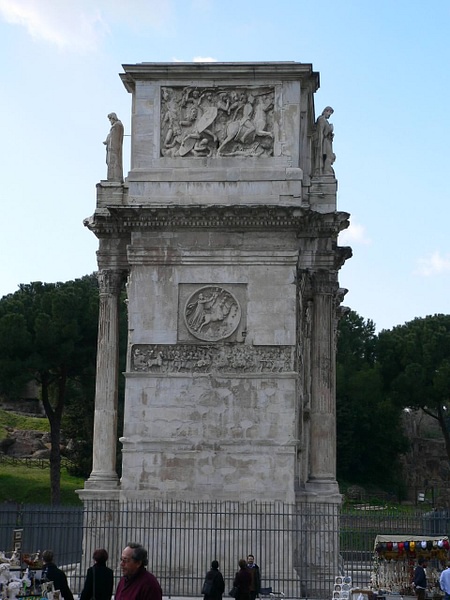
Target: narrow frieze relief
{"x":217,"y":121}
{"x":191,"y":358}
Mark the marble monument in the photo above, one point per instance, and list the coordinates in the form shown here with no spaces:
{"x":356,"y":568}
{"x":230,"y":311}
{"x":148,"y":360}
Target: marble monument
{"x":225,"y":232}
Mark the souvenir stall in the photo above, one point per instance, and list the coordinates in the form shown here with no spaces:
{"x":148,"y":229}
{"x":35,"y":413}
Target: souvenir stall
{"x":342,"y":588}
{"x":395,"y":558}
{"x":18,"y":576}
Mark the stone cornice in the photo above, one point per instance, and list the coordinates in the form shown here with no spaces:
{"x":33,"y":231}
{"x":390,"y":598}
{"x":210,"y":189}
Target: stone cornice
{"x":342,"y":254}
{"x":120,"y":220}
{"x":246,"y":71}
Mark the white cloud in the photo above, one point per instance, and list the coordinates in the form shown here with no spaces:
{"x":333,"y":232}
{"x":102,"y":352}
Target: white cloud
{"x":64,"y":24}
{"x":355,"y":234}
{"x":81,"y":26}
{"x":204,"y":59}
{"x":435,"y":264}
{"x":195,"y":59}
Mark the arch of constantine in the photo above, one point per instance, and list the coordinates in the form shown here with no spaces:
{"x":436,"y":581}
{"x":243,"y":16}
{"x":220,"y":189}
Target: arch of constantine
{"x":225,"y":232}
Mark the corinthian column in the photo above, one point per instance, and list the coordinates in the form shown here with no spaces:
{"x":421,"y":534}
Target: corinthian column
{"x":104,"y":474}
{"x":323,"y":388}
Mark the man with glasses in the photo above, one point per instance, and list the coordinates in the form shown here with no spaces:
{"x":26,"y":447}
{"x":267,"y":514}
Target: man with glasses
{"x":137,"y":583}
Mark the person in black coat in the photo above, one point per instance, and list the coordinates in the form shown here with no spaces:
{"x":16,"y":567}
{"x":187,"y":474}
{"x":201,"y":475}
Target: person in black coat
{"x":214,"y":585}
{"x":50,"y":572}
{"x":420,"y":578}
{"x":99,"y":581}
{"x":242,"y":581}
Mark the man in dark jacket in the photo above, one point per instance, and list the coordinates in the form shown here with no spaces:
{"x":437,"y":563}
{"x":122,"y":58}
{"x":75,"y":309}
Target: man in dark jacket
{"x":255,"y":586}
{"x":50,"y":572}
{"x":420,"y":578}
{"x":137,"y":583}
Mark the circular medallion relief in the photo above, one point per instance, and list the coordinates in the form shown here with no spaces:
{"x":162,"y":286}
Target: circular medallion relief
{"x":212,"y":313}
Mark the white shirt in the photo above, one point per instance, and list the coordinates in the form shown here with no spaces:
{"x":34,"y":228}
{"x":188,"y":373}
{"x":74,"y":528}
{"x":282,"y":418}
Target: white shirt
{"x":444,"y":580}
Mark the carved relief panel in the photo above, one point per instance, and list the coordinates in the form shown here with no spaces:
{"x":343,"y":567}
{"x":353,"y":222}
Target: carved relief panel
{"x":211,"y":358}
{"x":209,"y":122}
{"x":212,"y":312}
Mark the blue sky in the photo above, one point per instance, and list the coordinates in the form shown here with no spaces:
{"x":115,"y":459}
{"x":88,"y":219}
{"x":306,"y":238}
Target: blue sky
{"x":384,"y":67}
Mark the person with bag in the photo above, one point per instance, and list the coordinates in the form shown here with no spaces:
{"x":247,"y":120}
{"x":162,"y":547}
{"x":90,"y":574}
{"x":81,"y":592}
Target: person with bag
{"x":242,"y":582}
{"x":50,"y":572}
{"x":214,"y":585}
{"x":99,"y":580}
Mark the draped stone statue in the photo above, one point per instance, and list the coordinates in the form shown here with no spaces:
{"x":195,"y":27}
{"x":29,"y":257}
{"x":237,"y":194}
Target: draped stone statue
{"x":324,"y":155}
{"x":113,"y":144}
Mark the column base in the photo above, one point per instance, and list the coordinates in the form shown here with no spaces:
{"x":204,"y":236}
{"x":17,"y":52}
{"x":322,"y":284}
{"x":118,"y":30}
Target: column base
{"x":102,"y":481}
{"x":320,"y":490}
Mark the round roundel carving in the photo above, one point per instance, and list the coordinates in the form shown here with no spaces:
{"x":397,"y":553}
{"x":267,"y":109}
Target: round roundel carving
{"x":212,"y":313}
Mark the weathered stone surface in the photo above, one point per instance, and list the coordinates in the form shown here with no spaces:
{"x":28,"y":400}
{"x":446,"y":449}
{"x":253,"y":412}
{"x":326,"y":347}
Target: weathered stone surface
{"x":227,"y":226}
{"x":228,"y":234}
{"x":201,"y":436}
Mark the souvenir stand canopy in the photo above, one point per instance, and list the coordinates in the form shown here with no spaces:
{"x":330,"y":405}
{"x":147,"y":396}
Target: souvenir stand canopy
{"x":395,"y":557}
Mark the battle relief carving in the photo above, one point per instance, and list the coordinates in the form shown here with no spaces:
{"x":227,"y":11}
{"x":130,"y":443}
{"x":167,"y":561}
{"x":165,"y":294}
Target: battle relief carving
{"x":230,"y":358}
{"x":220,"y":121}
{"x":212,"y":313}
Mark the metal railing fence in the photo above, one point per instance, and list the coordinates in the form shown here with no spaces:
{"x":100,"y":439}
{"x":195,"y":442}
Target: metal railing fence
{"x":33,"y":463}
{"x":300,"y":548}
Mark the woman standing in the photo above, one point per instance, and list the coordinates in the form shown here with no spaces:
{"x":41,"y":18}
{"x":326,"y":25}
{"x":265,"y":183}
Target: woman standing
{"x":214,"y":584}
{"x":99,"y":578}
{"x":242,"y":581}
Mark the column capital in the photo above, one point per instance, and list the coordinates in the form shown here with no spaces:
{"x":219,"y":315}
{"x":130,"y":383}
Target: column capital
{"x":110,"y":280}
{"x":324,"y":282}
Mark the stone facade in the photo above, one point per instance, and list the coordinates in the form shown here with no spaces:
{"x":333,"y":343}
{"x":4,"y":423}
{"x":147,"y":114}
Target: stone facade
{"x":226,"y":231}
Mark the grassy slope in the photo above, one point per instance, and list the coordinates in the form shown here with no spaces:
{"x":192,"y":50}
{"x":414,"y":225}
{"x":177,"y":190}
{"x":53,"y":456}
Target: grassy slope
{"x":31,"y":485}
{"x":19,"y":421}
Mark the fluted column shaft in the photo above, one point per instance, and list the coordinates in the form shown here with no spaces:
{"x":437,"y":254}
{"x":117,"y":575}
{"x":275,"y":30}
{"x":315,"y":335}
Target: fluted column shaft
{"x":323,"y":396}
{"x":106,"y":390}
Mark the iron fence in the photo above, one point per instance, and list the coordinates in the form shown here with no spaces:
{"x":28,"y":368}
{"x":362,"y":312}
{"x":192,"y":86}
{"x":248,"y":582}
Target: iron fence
{"x":295,"y":545}
{"x":33,"y":463}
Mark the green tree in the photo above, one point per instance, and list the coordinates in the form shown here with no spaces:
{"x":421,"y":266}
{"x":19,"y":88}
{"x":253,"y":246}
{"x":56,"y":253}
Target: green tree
{"x":48,"y":334}
{"x":78,"y":419}
{"x":415,"y":367}
{"x":369,"y":432}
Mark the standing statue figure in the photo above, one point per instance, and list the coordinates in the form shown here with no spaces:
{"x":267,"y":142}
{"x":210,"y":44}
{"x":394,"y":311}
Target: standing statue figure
{"x":324,"y":155}
{"x":113,"y":145}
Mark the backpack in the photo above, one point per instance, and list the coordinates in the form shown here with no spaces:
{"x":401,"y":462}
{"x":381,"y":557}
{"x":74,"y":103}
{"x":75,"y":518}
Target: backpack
{"x":208,"y":586}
